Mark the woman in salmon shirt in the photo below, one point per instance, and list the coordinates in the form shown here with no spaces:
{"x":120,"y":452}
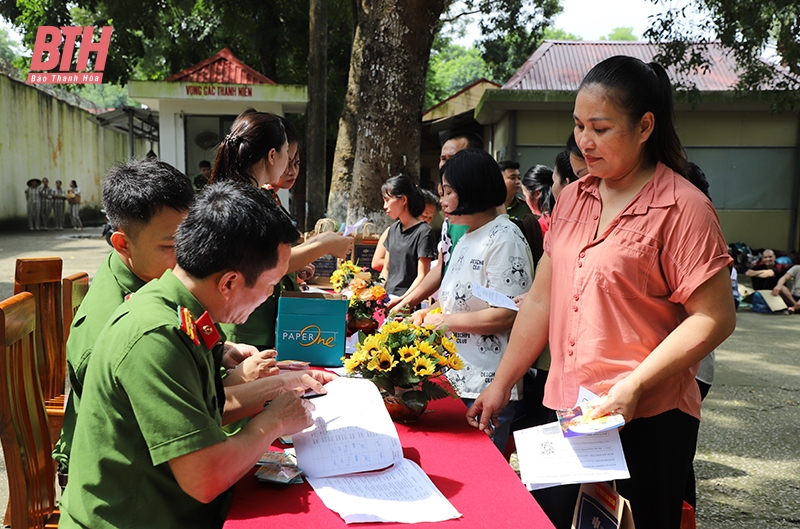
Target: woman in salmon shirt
{"x":634,"y":291}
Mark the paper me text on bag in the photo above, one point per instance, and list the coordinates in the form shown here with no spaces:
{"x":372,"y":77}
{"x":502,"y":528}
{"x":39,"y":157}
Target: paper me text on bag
{"x":54,"y":50}
{"x":310,"y":335}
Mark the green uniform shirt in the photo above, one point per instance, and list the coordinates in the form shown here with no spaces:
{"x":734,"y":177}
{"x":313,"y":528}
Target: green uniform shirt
{"x":112,"y":282}
{"x":518,"y":209}
{"x":151,"y":395}
{"x":259,"y":329}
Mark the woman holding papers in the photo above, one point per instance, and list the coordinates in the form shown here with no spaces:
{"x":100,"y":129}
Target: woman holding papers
{"x":493,"y":254}
{"x":633,"y":289}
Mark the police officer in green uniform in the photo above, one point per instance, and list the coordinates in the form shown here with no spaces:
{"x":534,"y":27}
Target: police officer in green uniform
{"x":515,"y":207}
{"x":149,"y":449}
{"x":145,"y":201}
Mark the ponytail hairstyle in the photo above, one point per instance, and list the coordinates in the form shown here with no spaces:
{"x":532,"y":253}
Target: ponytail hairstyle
{"x":403,"y":186}
{"x":539,"y":179}
{"x":564,"y":168}
{"x":637,"y":88}
{"x":253,"y":135}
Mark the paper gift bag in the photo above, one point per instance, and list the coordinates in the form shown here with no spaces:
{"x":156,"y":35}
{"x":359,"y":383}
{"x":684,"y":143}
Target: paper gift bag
{"x":311,"y":328}
{"x":364,"y":243}
{"x":599,"y":505}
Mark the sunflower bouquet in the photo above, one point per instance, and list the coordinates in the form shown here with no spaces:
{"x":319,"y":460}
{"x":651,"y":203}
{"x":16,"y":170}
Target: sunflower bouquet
{"x":408,"y":359}
{"x":368,"y":298}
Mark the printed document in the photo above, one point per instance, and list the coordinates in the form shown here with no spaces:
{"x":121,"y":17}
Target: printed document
{"x":547,"y":458}
{"x":353,"y":434}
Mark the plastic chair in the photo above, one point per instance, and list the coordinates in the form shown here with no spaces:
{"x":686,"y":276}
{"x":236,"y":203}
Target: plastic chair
{"x":75,"y":288}
{"x":23,"y":423}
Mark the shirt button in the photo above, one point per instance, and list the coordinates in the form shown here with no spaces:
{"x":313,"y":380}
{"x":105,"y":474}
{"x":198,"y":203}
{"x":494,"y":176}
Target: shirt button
{"x":575,"y":308}
{"x":580,"y":264}
{"x":570,"y":352}
{"x":576,"y":297}
{"x":595,"y":216}
{"x":582,"y":254}
{"x":572,"y":341}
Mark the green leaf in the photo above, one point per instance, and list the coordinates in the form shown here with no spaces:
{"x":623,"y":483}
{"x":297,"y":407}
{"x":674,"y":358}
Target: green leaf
{"x":383,"y":384}
{"x":434,"y":391}
{"x":415,"y":400}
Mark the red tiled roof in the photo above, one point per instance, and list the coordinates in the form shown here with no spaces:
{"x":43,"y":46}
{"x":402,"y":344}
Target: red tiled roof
{"x":222,"y":67}
{"x":561,"y":65}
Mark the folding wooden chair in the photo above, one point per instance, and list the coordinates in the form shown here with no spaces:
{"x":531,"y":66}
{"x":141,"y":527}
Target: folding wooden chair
{"x":24,"y":428}
{"x":42,"y":278}
{"x":75,"y":288}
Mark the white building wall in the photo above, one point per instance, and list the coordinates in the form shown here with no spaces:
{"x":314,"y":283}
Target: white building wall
{"x":41,"y":136}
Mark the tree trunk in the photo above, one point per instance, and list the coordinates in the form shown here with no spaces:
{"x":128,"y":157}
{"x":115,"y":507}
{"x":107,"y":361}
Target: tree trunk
{"x":387,"y":69}
{"x":315,"y":124}
{"x":344,"y":155}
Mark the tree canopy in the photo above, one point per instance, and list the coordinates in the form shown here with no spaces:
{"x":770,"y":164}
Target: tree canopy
{"x":752,"y":29}
{"x":621,"y":33}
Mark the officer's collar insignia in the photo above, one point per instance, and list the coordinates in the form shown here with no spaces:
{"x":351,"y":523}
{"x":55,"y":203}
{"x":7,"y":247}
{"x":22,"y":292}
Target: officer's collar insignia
{"x":207,"y":331}
{"x":186,"y":322}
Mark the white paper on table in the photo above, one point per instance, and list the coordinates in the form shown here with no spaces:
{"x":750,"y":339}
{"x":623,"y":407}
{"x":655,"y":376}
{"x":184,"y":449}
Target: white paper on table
{"x":349,"y":230}
{"x":402,"y":493}
{"x":493,"y":297}
{"x":352,"y":432}
{"x":547,"y":458}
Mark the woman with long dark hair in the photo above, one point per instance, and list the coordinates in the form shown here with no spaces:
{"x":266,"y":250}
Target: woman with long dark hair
{"x":634,"y":291}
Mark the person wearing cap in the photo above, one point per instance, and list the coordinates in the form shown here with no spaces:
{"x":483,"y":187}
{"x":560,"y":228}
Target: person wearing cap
{"x":34,"y":203}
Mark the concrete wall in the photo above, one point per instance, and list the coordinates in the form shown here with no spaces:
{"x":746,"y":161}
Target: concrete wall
{"x":42,"y":136}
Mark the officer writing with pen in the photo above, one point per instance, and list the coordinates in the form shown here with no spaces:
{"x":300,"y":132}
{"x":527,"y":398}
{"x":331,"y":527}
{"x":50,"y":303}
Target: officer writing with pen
{"x":149,"y":448}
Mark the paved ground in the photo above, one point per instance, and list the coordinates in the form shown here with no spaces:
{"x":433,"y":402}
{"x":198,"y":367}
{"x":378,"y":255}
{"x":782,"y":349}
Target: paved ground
{"x":748,"y":461}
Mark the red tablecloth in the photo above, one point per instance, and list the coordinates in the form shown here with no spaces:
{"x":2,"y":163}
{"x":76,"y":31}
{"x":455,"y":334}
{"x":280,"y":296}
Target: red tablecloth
{"x":461,"y":461}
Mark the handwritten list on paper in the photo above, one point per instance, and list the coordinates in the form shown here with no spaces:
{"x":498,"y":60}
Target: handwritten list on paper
{"x":352,"y":435}
{"x":402,"y":493}
{"x":352,"y":432}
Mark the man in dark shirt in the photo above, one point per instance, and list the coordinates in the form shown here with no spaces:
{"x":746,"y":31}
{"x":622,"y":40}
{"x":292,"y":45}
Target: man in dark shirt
{"x":765,"y":276}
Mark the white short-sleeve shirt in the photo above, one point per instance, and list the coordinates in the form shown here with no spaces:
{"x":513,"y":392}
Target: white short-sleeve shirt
{"x":497,"y":257}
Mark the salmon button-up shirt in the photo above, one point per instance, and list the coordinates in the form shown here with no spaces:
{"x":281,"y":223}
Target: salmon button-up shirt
{"x":616,"y":295}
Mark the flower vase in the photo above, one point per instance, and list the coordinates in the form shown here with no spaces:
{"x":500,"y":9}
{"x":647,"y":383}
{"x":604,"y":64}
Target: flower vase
{"x":406,"y":405}
{"x":367,"y":325}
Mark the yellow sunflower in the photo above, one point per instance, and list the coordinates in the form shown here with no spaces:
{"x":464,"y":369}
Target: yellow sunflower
{"x":425,"y":348}
{"x":423,"y":366}
{"x":393,"y":327}
{"x":385,"y":360}
{"x":455,"y":362}
{"x":352,"y":364}
{"x":449,"y":346}
{"x":407,"y":353}
{"x":372,"y":341}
